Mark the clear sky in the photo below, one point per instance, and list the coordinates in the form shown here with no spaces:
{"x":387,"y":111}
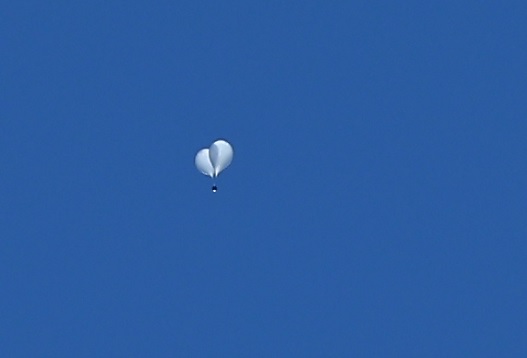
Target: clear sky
{"x":376,"y":205}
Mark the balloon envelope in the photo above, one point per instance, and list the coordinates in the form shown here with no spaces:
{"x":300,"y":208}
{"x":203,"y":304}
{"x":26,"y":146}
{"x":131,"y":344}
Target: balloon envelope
{"x":212,"y":161}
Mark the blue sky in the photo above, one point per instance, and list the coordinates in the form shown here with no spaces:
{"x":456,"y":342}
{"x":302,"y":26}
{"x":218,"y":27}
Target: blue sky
{"x":375,"y":207}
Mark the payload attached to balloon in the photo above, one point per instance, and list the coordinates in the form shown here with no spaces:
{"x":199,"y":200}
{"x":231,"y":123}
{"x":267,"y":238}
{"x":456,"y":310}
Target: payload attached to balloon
{"x":213,"y":160}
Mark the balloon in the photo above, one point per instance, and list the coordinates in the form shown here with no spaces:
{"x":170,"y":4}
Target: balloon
{"x":212,"y":161}
{"x":220,"y":154}
{"x":203,"y":162}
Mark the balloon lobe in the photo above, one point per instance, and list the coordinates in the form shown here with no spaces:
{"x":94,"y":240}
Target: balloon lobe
{"x":203,"y":163}
{"x":220,"y":154}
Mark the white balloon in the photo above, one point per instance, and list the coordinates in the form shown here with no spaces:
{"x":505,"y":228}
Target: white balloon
{"x":203,"y":162}
{"x":220,"y":154}
{"x":212,"y":161}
